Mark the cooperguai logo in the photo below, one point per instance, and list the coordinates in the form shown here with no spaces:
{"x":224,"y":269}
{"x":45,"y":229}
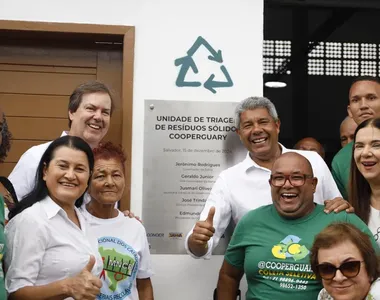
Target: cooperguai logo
{"x":290,"y":247}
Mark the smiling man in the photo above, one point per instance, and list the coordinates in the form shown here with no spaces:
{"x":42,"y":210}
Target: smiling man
{"x":271,"y":244}
{"x":89,"y":112}
{"x":244,"y":186}
{"x":364,"y":104}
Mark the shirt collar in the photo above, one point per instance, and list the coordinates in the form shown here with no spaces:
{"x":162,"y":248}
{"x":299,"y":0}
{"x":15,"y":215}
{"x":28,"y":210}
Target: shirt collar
{"x":248,"y":162}
{"x":51,"y":208}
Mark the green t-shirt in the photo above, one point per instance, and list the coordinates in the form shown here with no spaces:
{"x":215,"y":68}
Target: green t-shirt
{"x":341,"y":168}
{"x":2,"y":250}
{"x":274,"y":252}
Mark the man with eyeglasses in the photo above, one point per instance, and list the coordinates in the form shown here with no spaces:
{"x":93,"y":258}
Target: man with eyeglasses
{"x":271,"y":244}
{"x":244,"y":186}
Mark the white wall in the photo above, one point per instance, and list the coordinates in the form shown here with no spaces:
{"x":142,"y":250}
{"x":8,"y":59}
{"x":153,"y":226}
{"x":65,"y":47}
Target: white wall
{"x":165,"y":29}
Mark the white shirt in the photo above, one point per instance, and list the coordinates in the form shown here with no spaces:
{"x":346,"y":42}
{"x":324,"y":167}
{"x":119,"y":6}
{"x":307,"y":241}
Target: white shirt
{"x":125,"y":251}
{"x":44,"y":245}
{"x":374,"y":224}
{"x":24,"y":173}
{"x":245,"y":186}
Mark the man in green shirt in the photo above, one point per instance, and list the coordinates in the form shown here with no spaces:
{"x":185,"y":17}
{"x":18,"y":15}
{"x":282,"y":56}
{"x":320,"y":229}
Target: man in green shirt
{"x":271,"y":244}
{"x":364,"y":103}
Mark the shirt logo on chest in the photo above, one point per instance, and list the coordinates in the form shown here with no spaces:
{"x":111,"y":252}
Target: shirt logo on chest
{"x":290,"y":248}
{"x":120,"y":265}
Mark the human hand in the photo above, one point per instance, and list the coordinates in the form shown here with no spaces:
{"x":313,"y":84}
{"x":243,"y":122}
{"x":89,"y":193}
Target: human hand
{"x":130,"y":214}
{"x":204,"y":230}
{"x":338,"y":204}
{"x":85,"y":286}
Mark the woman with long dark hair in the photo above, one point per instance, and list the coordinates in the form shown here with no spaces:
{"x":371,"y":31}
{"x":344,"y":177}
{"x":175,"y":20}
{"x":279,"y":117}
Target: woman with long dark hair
{"x":364,"y":189}
{"x":51,"y":253}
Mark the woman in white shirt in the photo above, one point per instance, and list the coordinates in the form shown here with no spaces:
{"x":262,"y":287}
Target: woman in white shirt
{"x":122,"y":241}
{"x":364,"y":188}
{"x":51,"y":254}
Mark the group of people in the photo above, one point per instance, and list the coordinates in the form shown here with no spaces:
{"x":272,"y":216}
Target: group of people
{"x":346,"y":133}
{"x":65,"y":238}
{"x":295,"y":236}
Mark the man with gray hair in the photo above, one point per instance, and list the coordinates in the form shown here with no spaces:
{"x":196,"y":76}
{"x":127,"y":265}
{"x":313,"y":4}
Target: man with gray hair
{"x":244,"y":186}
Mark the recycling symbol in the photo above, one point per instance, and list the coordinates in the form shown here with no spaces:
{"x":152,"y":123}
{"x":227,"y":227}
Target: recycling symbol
{"x":186,"y":63}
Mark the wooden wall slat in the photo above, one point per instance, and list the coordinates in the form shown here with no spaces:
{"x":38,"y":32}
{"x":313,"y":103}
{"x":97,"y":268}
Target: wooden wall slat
{"x":47,"y":69}
{"x":20,"y":105}
{"x":45,"y":56}
{"x":41,"y":83}
{"x":36,"y":128}
{"x":6,"y":169}
{"x":110,"y":70}
{"x":19,"y":147}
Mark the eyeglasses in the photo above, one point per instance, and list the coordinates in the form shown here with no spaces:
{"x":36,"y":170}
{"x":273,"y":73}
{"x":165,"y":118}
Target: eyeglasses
{"x":349,"y":269}
{"x":279,"y":180}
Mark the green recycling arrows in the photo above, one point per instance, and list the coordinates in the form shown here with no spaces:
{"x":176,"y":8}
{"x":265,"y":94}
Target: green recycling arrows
{"x":186,"y":63}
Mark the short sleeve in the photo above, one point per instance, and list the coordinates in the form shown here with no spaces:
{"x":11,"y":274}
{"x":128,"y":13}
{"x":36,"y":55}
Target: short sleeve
{"x":358,"y":223}
{"x":26,"y":240}
{"x":23,"y":174}
{"x":341,"y":168}
{"x":145,"y":266}
{"x":235,"y":253}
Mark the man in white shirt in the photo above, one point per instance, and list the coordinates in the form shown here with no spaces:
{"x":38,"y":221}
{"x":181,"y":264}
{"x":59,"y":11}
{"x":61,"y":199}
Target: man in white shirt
{"x":245,"y":186}
{"x":89,"y":112}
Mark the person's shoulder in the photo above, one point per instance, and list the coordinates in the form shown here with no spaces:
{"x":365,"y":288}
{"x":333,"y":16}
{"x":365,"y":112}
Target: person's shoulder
{"x":344,"y":152}
{"x":374,"y":292}
{"x":30,"y":216}
{"x":344,"y":216}
{"x":132,"y":224}
{"x":37,"y":150}
{"x":262,"y":212}
{"x":235,"y":168}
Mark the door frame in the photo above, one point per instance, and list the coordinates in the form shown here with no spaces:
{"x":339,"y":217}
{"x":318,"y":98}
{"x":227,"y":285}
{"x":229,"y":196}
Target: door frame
{"x":127,"y":33}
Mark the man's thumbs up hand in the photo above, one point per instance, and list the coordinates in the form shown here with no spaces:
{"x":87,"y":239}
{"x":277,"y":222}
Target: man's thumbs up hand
{"x":204,"y":230}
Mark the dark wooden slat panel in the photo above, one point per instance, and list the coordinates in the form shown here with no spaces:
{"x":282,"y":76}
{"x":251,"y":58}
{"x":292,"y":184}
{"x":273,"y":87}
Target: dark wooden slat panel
{"x":109,"y":70}
{"x":36,"y":128}
{"x":17,"y":105}
{"x":6,"y":169}
{"x":40,"y":83}
{"x":19,"y":147}
{"x":47,"y":69}
{"x":29,"y":55}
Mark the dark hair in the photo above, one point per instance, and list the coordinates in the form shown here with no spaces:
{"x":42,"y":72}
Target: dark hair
{"x":337,"y":233}
{"x":9,"y":186}
{"x":40,"y":190}
{"x":359,"y":193}
{"x":365,"y":78}
{"x":108,"y":151}
{"x":89,"y":87}
{"x":6,"y":143}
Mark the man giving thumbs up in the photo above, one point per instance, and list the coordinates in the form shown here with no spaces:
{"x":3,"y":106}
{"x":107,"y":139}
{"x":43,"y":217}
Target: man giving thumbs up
{"x":202,"y":233}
